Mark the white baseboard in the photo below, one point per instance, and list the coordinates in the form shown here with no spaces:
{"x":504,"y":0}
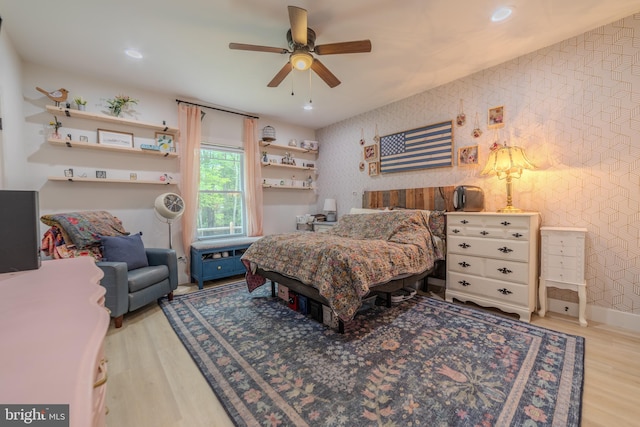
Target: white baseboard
{"x":607,"y":316}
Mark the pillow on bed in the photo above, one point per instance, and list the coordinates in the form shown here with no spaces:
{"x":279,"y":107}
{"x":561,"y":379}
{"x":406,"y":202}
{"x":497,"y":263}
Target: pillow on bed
{"x":437,"y":219}
{"x":367,"y":211}
{"x":437,"y":223}
{"x":129,"y":249}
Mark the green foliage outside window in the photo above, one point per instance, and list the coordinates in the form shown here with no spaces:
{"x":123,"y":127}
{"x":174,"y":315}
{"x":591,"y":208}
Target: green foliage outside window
{"x":221,"y":197}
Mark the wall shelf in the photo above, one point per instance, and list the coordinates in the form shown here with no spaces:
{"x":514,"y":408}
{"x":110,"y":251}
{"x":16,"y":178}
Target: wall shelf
{"x":106,"y":180}
{"x":280,"y":165}
{"x":109,"y":119}
{"x":287,"y":148}
{"x":286,"y":187}
{"x":92,"y":146}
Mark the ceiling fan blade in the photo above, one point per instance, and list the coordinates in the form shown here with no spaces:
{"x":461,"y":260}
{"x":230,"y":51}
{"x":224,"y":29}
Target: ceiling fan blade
{"x":253,"y":47}
{"x":284,"y":72}
{"x":324,"y":73}
{"x":298,"y":20}
{"x":358,"y":46}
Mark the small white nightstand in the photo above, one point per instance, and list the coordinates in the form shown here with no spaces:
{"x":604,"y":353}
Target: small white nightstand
{"x":323,"y":226}
{"x":563,"y":254}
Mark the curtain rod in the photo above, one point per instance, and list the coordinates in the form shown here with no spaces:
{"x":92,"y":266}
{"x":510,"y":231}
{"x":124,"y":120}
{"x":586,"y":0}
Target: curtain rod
{"x":218,"y":109}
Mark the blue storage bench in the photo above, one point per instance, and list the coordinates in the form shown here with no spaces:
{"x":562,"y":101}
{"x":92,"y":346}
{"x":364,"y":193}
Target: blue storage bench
{"x":217,"y":259}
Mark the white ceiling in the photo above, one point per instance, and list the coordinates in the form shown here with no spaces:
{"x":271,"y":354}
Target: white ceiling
{"x":417,"y":45}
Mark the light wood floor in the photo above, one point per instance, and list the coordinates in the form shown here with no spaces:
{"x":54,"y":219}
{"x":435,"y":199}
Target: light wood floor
{"x":153,"y":381}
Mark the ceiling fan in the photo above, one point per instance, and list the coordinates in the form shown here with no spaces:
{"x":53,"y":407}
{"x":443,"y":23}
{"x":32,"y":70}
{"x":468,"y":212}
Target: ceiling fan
{"x":301,"y":46}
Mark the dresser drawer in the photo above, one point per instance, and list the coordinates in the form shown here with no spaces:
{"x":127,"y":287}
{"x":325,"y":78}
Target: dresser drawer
{"x":220,"y":267}
{"x":489,"y":288}
{"x":493,"y":221}
{"x":559,"y":262}
{"x":494,"y":248}
{"x":570,"y":251}
{"x":563,"y":239}
{"x":513,"y":271}
{"x":562,"y":275}
{"x":466,"y":264}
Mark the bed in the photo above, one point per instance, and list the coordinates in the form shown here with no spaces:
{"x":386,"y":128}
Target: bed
{"x":362,"y":254}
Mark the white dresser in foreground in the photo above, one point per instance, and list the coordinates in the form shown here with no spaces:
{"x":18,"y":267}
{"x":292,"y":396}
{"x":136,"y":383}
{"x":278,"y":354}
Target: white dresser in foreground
{"x":563,"y":255}
{"x":492,"y":260}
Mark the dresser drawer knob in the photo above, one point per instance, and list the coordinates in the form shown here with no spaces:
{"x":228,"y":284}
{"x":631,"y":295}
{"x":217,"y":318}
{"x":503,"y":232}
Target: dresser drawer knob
{"x":484,"y":233}
{"x":517,"y":235}
{"x":464,"y":283}
{"x":505,"y":291}
{"x":464,"y":245}
{"x":464,"y":221}
{"x":455,"y":231}
{"x":504,"y":270}
{"x":464,"y":264}
{"x":505,"y":223}
{"x":505,"y":250}
{"x":219,"y":267}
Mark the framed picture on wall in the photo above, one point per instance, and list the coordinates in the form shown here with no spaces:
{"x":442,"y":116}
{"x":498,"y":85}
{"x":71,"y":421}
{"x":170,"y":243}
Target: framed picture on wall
{"x":111,"y":137}
{"x":468,"y":156}
{"x":373,"y":169}
{"x":165,"y":141}
{"x":496,"y":117}
{"x":370,"y":152}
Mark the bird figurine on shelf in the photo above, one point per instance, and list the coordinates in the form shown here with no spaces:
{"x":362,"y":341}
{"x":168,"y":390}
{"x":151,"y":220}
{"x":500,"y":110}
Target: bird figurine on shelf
{"x":56,"y":96}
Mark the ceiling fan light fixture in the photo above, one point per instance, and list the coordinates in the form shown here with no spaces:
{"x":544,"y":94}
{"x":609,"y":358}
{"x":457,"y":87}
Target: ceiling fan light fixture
{"x":502,"y":14}
{"x":301,"y":60}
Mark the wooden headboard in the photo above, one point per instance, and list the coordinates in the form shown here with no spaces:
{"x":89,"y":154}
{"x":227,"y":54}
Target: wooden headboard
{"x":430,"y":198}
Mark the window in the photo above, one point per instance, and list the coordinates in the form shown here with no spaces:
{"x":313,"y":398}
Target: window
{"x":221,"y":210}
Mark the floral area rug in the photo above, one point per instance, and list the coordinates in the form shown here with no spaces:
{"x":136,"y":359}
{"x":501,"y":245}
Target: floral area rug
{"x":422,"y":362}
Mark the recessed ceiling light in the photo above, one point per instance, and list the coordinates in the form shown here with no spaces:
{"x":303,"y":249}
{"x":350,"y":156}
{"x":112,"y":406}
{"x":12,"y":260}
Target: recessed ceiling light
{"x":133,"y":53}
{"x":501,"y":14}
{"x":308,"y":107}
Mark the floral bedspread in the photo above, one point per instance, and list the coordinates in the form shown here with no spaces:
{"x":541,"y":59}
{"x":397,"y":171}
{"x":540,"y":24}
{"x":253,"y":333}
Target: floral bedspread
{"x":359,"y":252}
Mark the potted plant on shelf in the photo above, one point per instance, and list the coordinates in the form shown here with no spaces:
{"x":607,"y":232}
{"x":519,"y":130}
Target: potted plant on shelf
{"x":80,"y":102}
{"x":119,"y":103}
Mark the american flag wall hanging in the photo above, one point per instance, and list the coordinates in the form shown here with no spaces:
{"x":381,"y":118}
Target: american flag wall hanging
{"x":423,"y":148}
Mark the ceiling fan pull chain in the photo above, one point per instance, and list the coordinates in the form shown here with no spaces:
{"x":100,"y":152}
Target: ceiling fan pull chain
{"x":310,"y":93}
{"x":292,"y":93}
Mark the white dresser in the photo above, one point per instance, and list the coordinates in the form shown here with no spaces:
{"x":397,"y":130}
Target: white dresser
{"x":563,"y":255}
{"x":492,"y":260}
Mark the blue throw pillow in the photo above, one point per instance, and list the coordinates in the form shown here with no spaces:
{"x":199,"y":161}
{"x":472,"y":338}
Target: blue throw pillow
{"x":129,"y":249}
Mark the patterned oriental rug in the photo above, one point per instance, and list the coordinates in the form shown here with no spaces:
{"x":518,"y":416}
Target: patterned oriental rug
{"x":423,"y":362}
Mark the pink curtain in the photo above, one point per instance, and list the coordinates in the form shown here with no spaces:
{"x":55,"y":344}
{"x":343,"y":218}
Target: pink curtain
{"x":253,"y":178}
{"x":189,"y":124}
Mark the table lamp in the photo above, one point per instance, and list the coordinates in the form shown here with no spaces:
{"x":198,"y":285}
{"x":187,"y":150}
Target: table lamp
{"x":507,"y":162}
{"x":330,"y":209}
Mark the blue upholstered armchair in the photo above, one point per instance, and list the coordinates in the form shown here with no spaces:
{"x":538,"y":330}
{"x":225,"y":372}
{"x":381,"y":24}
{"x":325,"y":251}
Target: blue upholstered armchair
{"x":132,"y":289}
{"x":133,"y":275}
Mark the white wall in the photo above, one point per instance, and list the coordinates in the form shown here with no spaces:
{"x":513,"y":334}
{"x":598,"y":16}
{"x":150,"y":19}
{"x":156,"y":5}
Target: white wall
{"x":281,"y":206}
{"x":11,"y":111}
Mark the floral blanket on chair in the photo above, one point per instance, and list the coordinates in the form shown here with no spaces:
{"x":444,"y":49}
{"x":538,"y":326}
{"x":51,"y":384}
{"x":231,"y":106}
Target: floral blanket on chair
{"x":74,"y":234}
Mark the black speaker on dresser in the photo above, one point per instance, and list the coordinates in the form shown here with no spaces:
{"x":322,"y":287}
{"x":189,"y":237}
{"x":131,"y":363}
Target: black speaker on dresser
{"x":19,"y":240}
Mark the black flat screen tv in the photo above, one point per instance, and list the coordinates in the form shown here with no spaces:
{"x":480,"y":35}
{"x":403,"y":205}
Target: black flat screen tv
{"x":19,"y":240}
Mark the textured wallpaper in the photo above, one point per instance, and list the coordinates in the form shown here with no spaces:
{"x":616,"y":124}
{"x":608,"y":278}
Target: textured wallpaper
{"x":574,"y":107}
